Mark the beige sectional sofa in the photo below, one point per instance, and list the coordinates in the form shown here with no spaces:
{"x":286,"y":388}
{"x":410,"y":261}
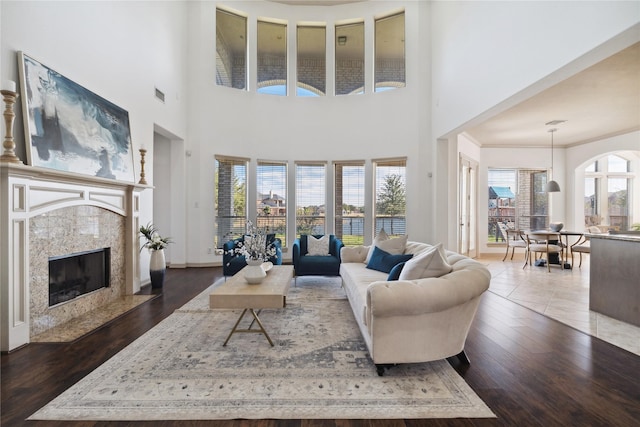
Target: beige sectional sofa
{"x":410,"y":321}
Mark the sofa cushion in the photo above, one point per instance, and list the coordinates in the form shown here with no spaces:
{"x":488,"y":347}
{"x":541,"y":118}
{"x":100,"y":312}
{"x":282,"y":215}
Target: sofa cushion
{"x":393,"y":246}
{"x":318,"y":246}
{"x":354,"y":253}
{"x":394,"y":274}
{"x":430,"y":263}
{"x":384,"y":261}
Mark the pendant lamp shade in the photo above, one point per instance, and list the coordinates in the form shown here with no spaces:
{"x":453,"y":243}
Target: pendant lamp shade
{"x":552,"y":186}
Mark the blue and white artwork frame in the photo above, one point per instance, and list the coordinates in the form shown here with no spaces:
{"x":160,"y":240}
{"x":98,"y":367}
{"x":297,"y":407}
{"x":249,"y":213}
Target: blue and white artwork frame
{"x":69,"y":128}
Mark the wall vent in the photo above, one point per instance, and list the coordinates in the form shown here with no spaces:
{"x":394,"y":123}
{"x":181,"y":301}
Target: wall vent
{"x":160,"y":94}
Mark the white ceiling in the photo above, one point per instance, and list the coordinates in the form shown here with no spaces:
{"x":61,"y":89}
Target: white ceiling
{"x":599,"y":102}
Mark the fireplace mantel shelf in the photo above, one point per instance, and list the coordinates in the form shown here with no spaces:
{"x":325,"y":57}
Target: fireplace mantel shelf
{"x":45,"y":174}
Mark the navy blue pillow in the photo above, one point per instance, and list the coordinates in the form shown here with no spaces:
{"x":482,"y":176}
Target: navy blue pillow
{"x":394,"y":274}
{"x":384,"y":261}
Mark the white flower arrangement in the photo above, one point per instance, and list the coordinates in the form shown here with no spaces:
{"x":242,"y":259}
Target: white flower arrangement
{"x":254,"y":246}
{"x":153,"y":239}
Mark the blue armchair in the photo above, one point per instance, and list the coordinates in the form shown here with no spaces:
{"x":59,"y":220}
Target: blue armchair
{"x":328,"y":265}
{"x":233,"y":262}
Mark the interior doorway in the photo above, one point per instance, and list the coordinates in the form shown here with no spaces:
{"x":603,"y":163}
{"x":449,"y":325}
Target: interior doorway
{"x":169,"y":193}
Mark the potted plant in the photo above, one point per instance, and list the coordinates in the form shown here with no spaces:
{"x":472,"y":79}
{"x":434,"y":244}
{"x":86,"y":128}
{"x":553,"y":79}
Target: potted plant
{"x":155,"y":243}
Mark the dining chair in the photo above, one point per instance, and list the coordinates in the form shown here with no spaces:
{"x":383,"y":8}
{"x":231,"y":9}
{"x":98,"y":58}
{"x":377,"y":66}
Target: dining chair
{"x":583,"y":244}
{"x":515,"y":239}
{"x":543,"y":242}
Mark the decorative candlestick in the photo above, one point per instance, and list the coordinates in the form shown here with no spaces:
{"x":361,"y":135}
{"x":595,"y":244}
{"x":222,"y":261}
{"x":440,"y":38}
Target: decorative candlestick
{"x":142,"y":181}
{"x":9,"y":145}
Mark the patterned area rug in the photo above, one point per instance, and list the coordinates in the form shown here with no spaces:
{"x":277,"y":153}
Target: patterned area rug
{"x":318,"y":369}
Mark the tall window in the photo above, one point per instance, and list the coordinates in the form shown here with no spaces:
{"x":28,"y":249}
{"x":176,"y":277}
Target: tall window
{"x":390,"y":202}
{"x":230,"y":198}
{"x":312,"y":49}
{"x":231,"y":50}
{"x":517,"y":199}
{"x":591,"y":201}
{"x":608,"y":192}
{"x":272,"y":58}
{"x":349,"y":205}
{"x":349,"y":45}
{"x":389,"y":53}
{"x":310,"y":198}
{"x":272,"y":203}
{"x":618,"y":201}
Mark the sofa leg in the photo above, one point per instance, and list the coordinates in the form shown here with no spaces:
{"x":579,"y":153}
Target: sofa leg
{"x":462,"y":357}
{"x":381,"y":368}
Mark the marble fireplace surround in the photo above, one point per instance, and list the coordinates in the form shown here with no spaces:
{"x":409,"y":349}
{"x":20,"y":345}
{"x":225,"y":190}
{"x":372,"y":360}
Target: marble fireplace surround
{"x":43,"y":213}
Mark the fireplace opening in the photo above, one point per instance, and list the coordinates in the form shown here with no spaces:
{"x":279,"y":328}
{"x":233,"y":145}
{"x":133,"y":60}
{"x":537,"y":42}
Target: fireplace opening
{"x":73,"y":275}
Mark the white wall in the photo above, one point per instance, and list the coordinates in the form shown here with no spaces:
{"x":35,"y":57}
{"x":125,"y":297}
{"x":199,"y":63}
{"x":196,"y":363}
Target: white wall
{"x":465,"y":61}
{"x":231,"y":122}
{"x":489,"y":56}
{"x":119,"y":50}
{"x":485,"y":52}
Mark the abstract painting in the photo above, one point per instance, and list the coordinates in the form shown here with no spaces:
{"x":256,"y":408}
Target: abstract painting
{"x":70,"y":128}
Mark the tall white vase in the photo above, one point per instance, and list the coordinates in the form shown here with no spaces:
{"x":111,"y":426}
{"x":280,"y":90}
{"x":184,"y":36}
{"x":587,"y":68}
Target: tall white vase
{"x":253,"y":272}
{"x":157,"y":268}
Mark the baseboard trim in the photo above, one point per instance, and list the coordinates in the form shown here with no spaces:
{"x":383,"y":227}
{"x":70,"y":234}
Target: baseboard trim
{"x":203,"y":264}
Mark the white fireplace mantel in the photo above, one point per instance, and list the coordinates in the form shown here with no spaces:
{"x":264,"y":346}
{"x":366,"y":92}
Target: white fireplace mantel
{"x":27,"y":191}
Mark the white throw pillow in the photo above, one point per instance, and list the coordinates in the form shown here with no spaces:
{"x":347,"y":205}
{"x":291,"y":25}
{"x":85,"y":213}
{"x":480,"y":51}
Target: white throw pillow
{"x":393,"y":246}
{"x":430,"y":263}
{"x":319,"y":246}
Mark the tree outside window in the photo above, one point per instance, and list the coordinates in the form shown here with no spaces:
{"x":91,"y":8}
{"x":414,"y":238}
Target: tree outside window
{"x":390,"y":202}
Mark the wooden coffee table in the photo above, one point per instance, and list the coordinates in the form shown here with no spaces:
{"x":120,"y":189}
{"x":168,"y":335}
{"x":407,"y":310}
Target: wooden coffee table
{"x":236,"y":293}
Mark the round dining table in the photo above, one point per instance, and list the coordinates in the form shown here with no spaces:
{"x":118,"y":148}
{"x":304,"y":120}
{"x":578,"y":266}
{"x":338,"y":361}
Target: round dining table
{"x":554,"y":258}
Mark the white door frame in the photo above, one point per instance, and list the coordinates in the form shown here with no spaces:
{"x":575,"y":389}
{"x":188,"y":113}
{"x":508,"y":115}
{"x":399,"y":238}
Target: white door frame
{"x":467,"y":207}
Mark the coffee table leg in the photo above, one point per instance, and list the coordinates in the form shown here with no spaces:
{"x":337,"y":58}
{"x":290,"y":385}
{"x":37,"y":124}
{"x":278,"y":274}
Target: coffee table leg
{"x":255,"y":319}
{"x":255,"y":316}
{"x":235,"y":326}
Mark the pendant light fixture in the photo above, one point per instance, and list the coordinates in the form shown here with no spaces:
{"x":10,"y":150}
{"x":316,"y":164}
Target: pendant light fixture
{"x":552,"y":186}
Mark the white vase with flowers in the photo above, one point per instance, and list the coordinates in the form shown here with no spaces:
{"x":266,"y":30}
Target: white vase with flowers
{"x":156,"y":244}
{"x":256,"y":250}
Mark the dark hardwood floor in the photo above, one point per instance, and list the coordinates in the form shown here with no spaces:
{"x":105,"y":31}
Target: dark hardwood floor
{"x":529,"y":369}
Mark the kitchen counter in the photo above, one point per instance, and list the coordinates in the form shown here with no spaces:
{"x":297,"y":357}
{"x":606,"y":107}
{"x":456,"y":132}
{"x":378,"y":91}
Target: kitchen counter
{"x":614,"y":288}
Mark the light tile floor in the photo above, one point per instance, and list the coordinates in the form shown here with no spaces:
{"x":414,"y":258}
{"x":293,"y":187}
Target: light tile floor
{"x":561,"y":294}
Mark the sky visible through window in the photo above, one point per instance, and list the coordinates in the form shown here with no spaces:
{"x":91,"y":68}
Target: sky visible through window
{"x":282,"y":91}
{"x":270,"y":179}
{"x":503,"y":178}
